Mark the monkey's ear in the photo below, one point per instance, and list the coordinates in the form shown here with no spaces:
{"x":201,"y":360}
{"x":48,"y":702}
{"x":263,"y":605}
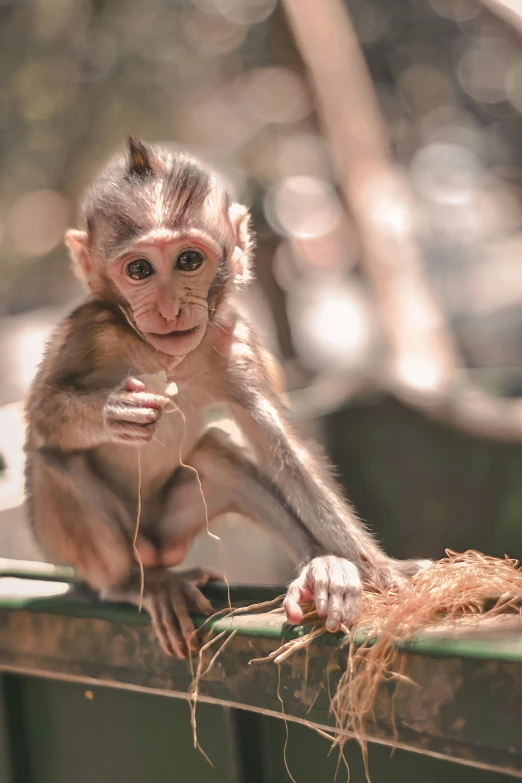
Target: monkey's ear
{"x":245,"y":243}
{"x":140,"y":163}
{"x":76,"y":241}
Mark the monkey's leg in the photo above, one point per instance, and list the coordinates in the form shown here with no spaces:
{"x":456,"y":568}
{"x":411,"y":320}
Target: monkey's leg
{"x":171,"y":596}
{"x":78,"y":519}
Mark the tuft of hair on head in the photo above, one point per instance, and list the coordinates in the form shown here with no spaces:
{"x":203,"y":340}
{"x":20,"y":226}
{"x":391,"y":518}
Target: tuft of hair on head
{"x":140,"y":158}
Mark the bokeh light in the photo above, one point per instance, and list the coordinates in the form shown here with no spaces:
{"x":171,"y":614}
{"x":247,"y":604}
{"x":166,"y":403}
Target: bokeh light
{"x":277,"y":95}
{"x":418,"y":372}
{"x":456,"y":10}
{"x":482,"y":72}
{"x":253,"y":12}
{"x":37,"y":222}
{"x":446,"y":173}
{"x":303,"y":207}
{"x":331,"y":324}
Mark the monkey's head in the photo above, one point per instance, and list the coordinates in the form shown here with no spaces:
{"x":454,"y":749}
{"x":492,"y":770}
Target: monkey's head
{"x":162,"y":239}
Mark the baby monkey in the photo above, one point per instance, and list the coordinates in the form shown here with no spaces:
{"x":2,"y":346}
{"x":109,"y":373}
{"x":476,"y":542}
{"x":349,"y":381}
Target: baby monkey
{"x":162,"y":251}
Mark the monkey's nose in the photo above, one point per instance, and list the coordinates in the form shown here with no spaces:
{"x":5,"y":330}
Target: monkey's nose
{"x":169,"y":310}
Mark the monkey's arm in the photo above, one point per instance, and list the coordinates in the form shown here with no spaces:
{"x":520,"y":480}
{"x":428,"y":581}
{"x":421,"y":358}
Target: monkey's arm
{"x":299,"y":470}
{"x":72,"y":419}
{"x":81,"y":397}
{"x":338,"y":550}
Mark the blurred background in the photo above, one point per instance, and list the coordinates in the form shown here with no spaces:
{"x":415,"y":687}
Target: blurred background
{"x":378,"y":145}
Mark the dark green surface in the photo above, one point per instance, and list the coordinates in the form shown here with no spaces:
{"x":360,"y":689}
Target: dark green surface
{"x":61,"y":736}
{"x":5,"y":738}
{"x":307,"y":757}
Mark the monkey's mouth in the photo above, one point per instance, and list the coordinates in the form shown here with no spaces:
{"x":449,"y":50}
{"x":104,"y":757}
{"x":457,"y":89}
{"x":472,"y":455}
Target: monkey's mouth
{"x":177,"y":334}
{"x":177,"y":343}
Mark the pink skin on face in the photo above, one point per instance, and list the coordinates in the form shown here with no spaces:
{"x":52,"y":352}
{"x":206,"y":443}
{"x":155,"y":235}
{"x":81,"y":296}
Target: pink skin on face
{"x":169,"y":306}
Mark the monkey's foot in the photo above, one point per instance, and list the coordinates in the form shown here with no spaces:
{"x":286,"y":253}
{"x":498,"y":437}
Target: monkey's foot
{"x":170,"y":601}
{"x":334,"y":584}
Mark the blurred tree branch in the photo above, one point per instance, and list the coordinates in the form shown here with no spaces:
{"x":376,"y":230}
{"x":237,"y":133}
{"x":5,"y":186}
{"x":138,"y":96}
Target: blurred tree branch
{"x":374,"y":192}
{"x":425,"y":369}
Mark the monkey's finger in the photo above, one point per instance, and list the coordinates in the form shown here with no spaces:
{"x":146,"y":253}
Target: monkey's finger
{"x":143,"y":399}
{"x":320,"y":580}
{"x":297,"y":592}
{"x":163,"y":637}
{"x":159,"y":626}
{"x":335,"y":610}
{"x":133,"y":415}
{"x":179,"y":608}
{"x":125,"y":432}
{"x":351,"y":607}
{"x":294,"y":613}
{"x":197,"y":599}
{"x":127,"y":439}
{"x":200,"y":576}
{"x":352,"y":592}
{"x":133,"y":385}
{"x":171,"y":624}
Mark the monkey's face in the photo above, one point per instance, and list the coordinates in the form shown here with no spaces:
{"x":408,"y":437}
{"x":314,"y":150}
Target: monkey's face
{"x":166,"y":282}
{"x":163,"y":241}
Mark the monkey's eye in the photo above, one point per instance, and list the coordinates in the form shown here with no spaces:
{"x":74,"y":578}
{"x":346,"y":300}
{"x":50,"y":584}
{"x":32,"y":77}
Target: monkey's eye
{"x":140,"y":269}
{"x":189,"y":260}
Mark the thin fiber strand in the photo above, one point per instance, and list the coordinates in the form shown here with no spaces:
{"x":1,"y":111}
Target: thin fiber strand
{"x":177,"y":409}
{"x":135,"y":539}
{"x":200,"y":672}
{"x":287,"y":737}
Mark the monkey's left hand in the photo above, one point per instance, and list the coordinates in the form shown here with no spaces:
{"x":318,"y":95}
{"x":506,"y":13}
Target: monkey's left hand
{"x":334,"y":584}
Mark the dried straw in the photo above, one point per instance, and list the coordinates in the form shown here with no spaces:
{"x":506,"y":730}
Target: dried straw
{"x":447,"y":596}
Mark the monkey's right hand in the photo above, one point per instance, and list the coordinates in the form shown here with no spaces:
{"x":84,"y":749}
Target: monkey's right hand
{"x":131,"y":414}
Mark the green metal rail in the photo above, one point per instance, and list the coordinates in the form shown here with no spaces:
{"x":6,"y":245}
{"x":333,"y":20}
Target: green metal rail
{"x":84,"y":683}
